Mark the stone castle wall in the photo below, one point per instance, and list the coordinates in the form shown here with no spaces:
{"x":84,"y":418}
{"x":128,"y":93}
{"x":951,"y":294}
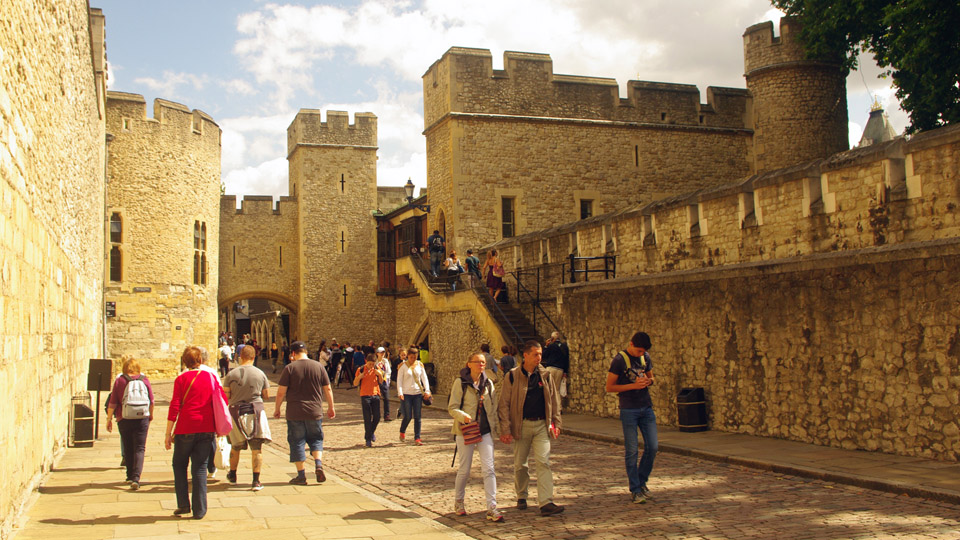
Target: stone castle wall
{"x":163,"y":176}
{"x":52,"y":86}
{"x":550,"y":141}
{"x":837,"y":268}
{"x":859,"y":350}
{"x":799,"y":105}
{"x":260,"y":250}
{"x":333,"y":175}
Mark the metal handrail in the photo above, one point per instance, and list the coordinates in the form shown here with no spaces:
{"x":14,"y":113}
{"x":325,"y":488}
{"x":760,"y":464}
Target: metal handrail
{"x":607,"y":259}
{"x":535,"y":299}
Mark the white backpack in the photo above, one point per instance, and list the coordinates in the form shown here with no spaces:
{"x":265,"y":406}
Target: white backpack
{"x":136,"y":399}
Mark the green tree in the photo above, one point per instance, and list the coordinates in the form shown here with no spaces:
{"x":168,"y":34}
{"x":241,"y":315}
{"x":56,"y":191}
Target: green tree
{"x":917,"y":42}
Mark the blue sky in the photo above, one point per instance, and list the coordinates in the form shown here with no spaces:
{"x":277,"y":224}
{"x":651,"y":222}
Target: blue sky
{"x":253,"y":64}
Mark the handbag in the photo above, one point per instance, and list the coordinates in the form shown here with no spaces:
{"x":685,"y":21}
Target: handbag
{"x":498,"y":270}
{"x":222,"y":422}
{"x":221,"y":459}
{"x":471,"y":432}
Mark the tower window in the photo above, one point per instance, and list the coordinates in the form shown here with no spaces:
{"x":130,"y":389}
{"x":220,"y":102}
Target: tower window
{"x":116,"y":264}
{"x":508,"y":216}
{"x":200,"y":253}
{"x":586,"y":208}
{"x":116,"y":228}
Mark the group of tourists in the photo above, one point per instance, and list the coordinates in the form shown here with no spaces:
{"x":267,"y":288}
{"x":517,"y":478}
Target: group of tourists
{"x":491,"y":273}
{"x":517,"y":401}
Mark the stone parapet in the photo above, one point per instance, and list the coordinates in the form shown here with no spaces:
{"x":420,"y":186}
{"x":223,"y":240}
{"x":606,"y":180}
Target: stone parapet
{"x":308,"y":128}
{"x":464,"y":81}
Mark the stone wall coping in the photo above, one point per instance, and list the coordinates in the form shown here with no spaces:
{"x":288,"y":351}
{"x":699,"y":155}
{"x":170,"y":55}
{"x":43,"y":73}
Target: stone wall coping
{"x":585,"y":121}
{"x":158,"y":103}
{"x":890,"y":253}
{"x":934,"y":137}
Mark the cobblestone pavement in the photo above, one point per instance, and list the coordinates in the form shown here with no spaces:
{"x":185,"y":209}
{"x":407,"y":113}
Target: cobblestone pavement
{"x":692,"y":498}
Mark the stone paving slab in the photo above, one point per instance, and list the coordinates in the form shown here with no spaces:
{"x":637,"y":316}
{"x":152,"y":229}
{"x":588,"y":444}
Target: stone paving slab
{"x":84,"y":497}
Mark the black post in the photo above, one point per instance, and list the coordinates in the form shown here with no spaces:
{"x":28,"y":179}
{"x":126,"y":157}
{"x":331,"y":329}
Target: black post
{"x":573,"y":273}
{"x":606,"y":269}
{"x":586,"y":269}
{"x":96,"y":425}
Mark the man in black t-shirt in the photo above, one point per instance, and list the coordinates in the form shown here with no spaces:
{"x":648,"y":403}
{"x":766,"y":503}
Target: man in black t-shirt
{"x":437,"y":246}
{"x":630,"y":375}
{"x":305,"y":385}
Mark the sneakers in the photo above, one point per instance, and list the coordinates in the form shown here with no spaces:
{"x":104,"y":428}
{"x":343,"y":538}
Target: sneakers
{"x":321,"y":477}
{"x":369,"y":444}
{"x":637,"y":498}
{"x":298,"y":481}
{"x":521,"y":504}
{"x":645,"y":492}
{"x":181,"y":511}
{"x":387,"y":418}
{"x":232,"y":477}
{"x":373,"y":438}
{"x":403,"y":437}
{"x":550,"y":509}
{"x":418,"y":442}
{"x":494,"y":515}
{"x":134,"y":485}
{"x":459,"y":509}
{"x":212,"y":475}
{"x":256,"y":486}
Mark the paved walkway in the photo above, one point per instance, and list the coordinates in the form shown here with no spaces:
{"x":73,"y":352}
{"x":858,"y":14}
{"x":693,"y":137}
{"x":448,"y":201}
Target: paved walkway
{"x":706,"y":485}
{"x":84,"y":497}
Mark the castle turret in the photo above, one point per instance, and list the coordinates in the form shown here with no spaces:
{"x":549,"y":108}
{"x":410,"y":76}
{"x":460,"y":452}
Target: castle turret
{"x":163,"y":203}
{"x":799,"y":104}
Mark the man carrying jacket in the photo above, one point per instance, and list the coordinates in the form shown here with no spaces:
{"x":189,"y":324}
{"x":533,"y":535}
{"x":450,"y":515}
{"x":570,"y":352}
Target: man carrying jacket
{"x":529,"y":412}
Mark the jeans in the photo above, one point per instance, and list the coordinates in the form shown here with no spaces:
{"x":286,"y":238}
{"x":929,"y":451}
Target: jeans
{"x":646,"y":421}
{"x":436,"y":259}
{"x":412,"y":405}
{"x":385,"y":398}
{"x":300,"y":432}
{"x":194,"y":448}
{"x":371,"y":415}
{"x":485,"y":447}
{"x":133,"y":442}
{"x":533,"y":436}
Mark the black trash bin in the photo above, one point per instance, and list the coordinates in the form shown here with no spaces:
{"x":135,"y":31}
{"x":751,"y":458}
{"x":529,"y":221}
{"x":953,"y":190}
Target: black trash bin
{"x":691,"y":410}
{"x":81,"y":421}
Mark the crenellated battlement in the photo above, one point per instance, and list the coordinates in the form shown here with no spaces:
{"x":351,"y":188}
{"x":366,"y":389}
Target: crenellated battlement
{"x":257,"y":205}
{"x":127,"y":113}
{"x":762,"y":50}
{"x":308,"y":128}
{"x":464,"y":81}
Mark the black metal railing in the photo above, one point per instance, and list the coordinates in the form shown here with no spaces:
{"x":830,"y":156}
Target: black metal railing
{"x":534,"y":297}
{"x":609,"y":269}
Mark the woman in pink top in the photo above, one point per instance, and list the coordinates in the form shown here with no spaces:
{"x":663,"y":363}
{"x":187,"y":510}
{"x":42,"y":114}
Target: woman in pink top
{"x":191,"y":411}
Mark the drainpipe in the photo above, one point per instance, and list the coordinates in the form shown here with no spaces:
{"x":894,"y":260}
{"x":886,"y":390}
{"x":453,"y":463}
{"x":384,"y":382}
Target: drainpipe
{"x":106,"y":250}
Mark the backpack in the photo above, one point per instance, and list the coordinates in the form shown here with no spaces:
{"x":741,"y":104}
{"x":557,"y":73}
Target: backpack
{"x":437,"y":243}
{"x":136,"y":399}
{"x":633,"y":373}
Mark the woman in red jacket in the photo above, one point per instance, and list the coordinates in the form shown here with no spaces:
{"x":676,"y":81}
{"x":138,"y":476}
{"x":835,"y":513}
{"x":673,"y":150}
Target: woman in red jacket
{"x":191,"y":411}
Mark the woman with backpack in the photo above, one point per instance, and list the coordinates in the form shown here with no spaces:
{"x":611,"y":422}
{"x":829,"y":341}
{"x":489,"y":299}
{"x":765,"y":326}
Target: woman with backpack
{"x":412,"y":388}
{"x":131,"y":401}
{"x":473,"y":406}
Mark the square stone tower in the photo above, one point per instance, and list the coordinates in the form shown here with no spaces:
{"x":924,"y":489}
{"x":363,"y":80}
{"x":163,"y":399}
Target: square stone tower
{"x":333,"y":177}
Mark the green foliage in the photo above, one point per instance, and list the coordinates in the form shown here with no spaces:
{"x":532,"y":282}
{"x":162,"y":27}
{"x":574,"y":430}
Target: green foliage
{"x":916,"y":41}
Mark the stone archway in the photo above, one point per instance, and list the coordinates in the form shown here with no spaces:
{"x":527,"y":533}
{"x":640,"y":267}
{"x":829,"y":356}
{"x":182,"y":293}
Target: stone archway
{"x":266,"y":333}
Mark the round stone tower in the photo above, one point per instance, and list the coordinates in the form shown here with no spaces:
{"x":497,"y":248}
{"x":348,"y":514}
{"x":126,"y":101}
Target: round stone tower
{"x":799,"y":104}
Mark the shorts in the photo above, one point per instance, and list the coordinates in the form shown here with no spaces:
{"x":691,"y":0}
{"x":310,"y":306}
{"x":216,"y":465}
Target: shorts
{"x":253,"y":444}
{"x":301,"y":432}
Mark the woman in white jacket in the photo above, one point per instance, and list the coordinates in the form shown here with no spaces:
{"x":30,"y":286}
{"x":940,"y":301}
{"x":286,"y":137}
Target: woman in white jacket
{"x":412,"y":388}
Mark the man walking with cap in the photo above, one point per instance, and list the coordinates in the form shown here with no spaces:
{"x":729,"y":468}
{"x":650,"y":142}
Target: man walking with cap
{"x":305,"y":385}
{"x":630,"y":375}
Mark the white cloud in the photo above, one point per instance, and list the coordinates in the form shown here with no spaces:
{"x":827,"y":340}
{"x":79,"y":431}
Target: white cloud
{"x":267,"y":178}
{"x":168,"y":83}
{"x":238,"y":86}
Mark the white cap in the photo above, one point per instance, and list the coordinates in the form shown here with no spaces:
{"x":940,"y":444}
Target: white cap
{"x":381,"y":349}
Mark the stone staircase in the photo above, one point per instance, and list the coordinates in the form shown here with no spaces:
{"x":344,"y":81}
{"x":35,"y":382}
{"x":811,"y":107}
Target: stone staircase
{"x":512,"y":321}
